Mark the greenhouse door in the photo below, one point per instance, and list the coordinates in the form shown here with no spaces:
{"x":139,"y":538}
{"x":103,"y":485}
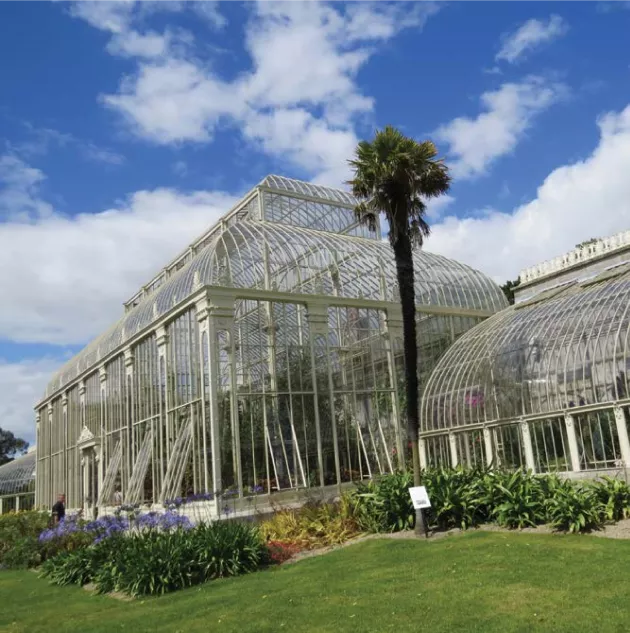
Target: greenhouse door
{"x":90,"y":482}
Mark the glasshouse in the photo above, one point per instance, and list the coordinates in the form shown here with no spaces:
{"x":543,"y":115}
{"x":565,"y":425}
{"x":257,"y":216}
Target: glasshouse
{"x":17,"y":484}
{"x":543,"y":384}
{"x":266,"y":359}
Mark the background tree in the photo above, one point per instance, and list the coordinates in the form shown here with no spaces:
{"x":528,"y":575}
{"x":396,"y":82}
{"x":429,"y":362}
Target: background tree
{"x":395,"y":176}
{"x":10,"y":446}
{"x":508,"y":289}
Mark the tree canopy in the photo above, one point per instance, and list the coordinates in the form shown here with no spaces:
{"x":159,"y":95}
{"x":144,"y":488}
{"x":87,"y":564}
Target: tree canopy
{"x":10,"y":446}
{"x":508,"y":289}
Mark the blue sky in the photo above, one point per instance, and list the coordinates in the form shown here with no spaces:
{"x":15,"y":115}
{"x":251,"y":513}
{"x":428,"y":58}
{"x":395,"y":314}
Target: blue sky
{"x":127,"y":128}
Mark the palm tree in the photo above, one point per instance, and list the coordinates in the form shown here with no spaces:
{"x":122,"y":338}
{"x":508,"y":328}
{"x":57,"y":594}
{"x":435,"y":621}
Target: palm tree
{"x":395,"y":175}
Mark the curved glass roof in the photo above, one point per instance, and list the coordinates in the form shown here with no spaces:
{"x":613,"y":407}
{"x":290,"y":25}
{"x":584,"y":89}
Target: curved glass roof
{"x":280,"y":183}
{"x":301,"y":261}
{"x":566,"y":347}
{"x":18,"y":476}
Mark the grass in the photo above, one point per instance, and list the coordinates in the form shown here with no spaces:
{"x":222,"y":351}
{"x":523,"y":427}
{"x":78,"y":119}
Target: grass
{"x":486,"y":582}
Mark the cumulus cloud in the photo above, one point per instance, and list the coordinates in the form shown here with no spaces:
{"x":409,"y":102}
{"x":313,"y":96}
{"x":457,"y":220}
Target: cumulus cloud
{"x":529,"y":36}
{"x":475,"y":143}
{"x":21,"y":386}
{"x":589,"y":198}
{"x":436,"y":207}
{"x":304,"y":61}
{"x":70,"y":275}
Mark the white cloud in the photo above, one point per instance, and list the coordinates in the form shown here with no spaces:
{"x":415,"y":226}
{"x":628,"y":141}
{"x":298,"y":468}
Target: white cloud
{"x":304,"y":140}
{"x":21,"y":387}
{"x":305,"y":59}
{"x":209,"y":11}
{"x":118,"y":15}
{"x":70,"y":275}
{"x":19,"y":188}
{"x":475,"y":143}
{"x":436,"y":207}
{"x":173,"y":101}
{"x":590,"y":198}
{"x":530,"y":35}
{"x":134,"y":44}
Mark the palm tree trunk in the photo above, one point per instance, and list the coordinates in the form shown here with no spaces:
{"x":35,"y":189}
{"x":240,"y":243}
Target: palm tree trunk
{"x":404,"y":269}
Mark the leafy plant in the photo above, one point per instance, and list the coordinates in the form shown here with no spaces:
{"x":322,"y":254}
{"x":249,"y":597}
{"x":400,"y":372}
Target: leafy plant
{"x":614,"y":495}
{"x":18,"y":538}
{"x":154,"y":561}
{"x":459,"y":497}
{"x":574,"y":507}
{"x":313,"y":525}
{"x":75,"y":567}
{"x":384,"y":505}
{"x":519,"y":501}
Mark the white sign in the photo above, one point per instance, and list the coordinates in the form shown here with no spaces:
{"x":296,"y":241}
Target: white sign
{"x":419,"y":497}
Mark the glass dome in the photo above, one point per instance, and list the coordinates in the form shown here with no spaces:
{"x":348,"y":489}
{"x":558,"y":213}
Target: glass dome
{"x":17,"y":478}
{"x":295,"y":260}
{"x":562,"y":353}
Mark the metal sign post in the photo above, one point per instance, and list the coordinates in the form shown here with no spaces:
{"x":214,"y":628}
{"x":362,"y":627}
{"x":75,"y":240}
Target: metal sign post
{"x":420,"y":499}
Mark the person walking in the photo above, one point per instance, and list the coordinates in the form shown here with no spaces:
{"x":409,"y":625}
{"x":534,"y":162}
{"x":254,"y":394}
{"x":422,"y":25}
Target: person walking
{"x":59,"y":509}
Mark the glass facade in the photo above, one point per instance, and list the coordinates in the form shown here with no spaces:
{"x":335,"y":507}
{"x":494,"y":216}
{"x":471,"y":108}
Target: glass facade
{"x":545,"y":380}
{"x":266,"y":358}
{"x":17,"y":484}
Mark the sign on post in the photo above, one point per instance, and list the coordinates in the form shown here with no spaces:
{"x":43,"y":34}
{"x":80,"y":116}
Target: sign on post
{"x":419,"y":497}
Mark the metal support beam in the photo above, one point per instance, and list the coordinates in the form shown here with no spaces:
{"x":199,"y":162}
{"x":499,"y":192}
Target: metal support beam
{"x":452,"y":441}
{"x":573,"y":443}
{"x":487,"y":442}
{"x":528,"y":449}
{"x":622,"y":434}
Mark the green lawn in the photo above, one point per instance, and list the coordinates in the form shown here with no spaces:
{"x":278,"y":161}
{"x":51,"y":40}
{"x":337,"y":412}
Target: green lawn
{"x":490,"y":582}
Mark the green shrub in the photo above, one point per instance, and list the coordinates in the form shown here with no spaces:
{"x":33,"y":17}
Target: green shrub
{"x":19,"y":532}
{"x":77,"y":567}
{"x":459,"y":497}
{"x":518,"y":500}
{"x":614,"y":495}
{"x":383,"y":505}
{"x":468,"y":497}
{"x":574,"y":508}
{"x":154,"y":562}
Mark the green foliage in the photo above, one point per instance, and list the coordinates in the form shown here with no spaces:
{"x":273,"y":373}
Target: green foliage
{"x":18,"y":538}
{"x":466,"y":498}
{"x":154,"y":562}
{"x":614,"y":495}
{"x":383,"y":505}
{"x":10,"y":446}
{"x":459,"y":497}
{"x":508,"y":289}
{"x":574,"y":508}
{"x":519,"y":501}
{"x":313,"y":525}
{"x":76,"y":567}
